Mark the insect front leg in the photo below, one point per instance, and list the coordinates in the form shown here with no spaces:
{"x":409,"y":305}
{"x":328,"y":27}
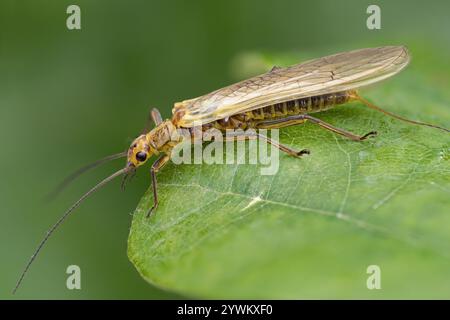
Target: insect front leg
{"x":156,"y":166}
{"x":155,"y":117}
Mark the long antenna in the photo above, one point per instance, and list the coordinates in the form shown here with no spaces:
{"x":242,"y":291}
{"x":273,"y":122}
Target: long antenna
{"x":61,"y":220}
{"x":70,"y":178}
{"x":372,"y":106}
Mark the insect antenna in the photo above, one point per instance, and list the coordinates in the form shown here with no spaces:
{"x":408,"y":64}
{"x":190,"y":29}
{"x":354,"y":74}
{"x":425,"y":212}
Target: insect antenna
{"x":372,"y":106}
{"x":70,"y":178}
{"x":63,"y":217}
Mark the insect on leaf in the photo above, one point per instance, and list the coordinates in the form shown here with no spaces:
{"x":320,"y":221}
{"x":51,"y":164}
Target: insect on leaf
{"x":312,"y":229}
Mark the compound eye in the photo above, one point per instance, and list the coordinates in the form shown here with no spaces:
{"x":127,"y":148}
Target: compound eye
{"x":141,"y":156}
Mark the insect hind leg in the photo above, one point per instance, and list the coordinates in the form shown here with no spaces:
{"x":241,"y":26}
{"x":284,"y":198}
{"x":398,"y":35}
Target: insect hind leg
{"x":301,"y":118}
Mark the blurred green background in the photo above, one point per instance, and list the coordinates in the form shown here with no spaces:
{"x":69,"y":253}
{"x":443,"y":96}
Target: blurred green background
{"x":70,"y":97}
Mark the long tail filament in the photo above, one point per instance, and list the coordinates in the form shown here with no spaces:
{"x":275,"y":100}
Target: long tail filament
{"x":372,"y":106}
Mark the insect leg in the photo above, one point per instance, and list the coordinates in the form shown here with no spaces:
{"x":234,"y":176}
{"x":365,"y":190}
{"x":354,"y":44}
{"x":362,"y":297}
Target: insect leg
{"x":297,"y":119}
{"x":156,"y":166}
{"x":155,"y":117}
{"x":342,"y":132}
{"x":282,"y":147}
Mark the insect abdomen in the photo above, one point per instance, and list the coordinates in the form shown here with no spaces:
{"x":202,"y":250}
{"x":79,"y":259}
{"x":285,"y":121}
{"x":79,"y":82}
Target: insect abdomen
{"x":281,"y":110}
{"x":299,"y":106}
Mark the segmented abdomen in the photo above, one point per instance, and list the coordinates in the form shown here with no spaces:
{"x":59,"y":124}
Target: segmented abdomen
{"x":299,"y":106}
{"x":281,"y":110}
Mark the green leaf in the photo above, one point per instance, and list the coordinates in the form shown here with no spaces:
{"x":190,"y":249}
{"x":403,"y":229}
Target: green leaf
{"x":311,"y":230}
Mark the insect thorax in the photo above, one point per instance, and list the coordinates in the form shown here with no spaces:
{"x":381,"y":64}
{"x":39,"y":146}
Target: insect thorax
{"x":163,"y":137}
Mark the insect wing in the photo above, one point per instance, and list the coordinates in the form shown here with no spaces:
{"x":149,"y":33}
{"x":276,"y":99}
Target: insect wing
{"x":335,"y":73}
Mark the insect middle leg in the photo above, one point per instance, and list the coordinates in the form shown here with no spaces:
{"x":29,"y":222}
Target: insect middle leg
{"x":156,"y":166}
{"x":297,"y":119}
{"x":282,"y":147}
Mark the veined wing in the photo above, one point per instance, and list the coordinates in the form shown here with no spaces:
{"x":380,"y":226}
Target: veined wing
{"x":335,"y":73}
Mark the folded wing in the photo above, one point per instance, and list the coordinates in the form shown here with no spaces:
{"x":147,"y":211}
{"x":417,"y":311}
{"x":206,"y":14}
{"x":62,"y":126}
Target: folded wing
{"x":335,"y":73}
